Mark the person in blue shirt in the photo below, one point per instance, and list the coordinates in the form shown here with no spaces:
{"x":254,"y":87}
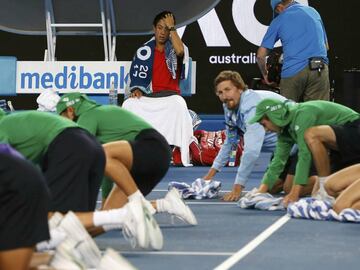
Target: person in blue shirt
{"x":304,"y":74}
{"x":239,"y":105}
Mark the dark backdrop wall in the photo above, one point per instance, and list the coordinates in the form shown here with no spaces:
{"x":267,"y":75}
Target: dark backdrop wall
{"x":341,"y":21}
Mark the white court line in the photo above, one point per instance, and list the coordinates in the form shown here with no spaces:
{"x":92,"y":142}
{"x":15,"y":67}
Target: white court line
{"x":253,"y":244}
{"x":179,"y":253}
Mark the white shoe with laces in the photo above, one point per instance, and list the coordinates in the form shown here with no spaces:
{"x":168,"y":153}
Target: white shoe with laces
{"x":155,"y":235}
{"x":85,"y":245}
{"x":57,"y":235}
{"x":113,"y":260}
{"x":67,"y":257}
{"x":55,"y":220}
{"x":140,"y":228}
{"x":149,"y":206}
{"x":175,"y":205}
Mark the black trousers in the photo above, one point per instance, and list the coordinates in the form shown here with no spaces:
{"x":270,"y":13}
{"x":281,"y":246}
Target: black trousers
{"x":347,"y":140}
{"x":24,"y":201}
{"x":73,"y":167}
{"x":151,"y":159}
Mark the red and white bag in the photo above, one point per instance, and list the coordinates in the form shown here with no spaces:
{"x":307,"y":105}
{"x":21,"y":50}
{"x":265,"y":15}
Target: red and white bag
{"x":205,"y":150}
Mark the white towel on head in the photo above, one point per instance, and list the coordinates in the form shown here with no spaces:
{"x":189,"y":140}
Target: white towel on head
{"x":168,"y":115}
{"x":48,"y":100}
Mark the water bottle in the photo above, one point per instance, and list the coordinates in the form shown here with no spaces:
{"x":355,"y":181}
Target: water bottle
{"x":113,"y":95}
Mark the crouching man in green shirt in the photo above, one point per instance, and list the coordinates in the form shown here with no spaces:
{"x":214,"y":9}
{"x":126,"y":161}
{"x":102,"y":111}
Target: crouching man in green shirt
{"x":137,"y":156}
{"x":71,"y":159}
{"x":316,"y":127}
{"x":73,"y":163}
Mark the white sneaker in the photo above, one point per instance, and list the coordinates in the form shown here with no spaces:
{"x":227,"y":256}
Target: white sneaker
{"x":57,"y":235}
{"x":67,"y":257}
{"x":178,"y":207}
{"x":55,"y":220}
{"x":140,"y":227}
{"x":155,"y":235}
{"x":134,"y":229}
{"x":85,"y":245}
{"x":113,"y":260}
{"x":149,"y":206}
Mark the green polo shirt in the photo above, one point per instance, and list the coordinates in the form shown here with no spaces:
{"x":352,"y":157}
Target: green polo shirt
{"x":112,"y":123}
{"x":303,"y":116}
{"x":31,"y":132}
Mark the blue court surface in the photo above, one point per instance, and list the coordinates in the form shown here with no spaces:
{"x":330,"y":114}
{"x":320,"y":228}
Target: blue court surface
{"x":228,"y":237}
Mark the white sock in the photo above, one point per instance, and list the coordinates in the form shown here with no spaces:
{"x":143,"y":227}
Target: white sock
{"x":135,"y":196}
{"x":162,"y":205}
{"x":110,"y":227}
{"x":110,"y":217}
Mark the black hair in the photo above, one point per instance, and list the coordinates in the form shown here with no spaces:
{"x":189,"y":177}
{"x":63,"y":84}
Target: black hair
{"x":161,"y":16}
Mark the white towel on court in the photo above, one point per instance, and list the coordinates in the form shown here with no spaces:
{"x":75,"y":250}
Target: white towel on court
{"x":261,"y":201}
{"x":311,"y":208}
{"x":168,"y":115}
{"x":198,"y":190}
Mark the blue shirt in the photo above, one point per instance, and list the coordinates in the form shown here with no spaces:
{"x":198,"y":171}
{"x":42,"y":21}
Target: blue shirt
{"x":255,"y":137}
{"x":302,"y":35}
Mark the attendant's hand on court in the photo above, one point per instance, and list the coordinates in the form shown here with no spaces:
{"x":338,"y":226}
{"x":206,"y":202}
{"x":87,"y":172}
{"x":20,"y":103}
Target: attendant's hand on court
{"x":136,"y":94}
{"x":293,"y":195}
{"x":290,"y":198}
{"x":263,"y":188}
{"x":234,"y":195}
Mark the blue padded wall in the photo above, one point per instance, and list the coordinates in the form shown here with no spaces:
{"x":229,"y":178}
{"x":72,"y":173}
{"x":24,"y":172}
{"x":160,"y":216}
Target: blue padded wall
{"x":7,"y":76}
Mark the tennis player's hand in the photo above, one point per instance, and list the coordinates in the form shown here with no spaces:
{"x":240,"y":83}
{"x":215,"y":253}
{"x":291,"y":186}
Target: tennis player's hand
{"x":234,"y":195}
{"x":169,"y":20}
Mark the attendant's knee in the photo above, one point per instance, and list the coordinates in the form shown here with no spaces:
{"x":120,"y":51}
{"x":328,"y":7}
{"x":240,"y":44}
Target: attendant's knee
{"x":118,"y":153}
{"x":330,"y":189}
{"x":311,"y":135}
{"x":111,"y":153}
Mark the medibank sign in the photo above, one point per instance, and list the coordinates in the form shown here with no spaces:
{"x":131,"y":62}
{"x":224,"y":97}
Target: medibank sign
{"x":86,"y":77}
